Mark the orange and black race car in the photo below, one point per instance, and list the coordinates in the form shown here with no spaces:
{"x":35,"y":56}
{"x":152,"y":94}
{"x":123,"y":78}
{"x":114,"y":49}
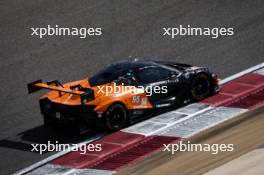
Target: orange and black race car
{"x":124,"y":92}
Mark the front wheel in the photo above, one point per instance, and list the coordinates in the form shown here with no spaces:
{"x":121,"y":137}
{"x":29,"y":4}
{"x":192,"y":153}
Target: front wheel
{"x":116,"y":117}
{"x":201,"y":87}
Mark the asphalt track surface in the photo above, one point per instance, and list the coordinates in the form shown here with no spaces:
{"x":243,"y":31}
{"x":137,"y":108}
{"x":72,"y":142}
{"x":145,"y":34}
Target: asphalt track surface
{"x":130,"y":29}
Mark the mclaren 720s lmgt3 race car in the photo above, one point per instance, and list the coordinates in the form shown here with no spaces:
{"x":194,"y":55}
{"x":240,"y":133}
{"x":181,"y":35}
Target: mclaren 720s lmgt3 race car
{"x":124,"y":92}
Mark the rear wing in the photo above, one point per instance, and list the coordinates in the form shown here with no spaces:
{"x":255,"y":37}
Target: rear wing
{"x":86,"y":94}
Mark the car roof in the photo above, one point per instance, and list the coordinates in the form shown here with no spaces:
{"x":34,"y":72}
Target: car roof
{"x":131,"y":64}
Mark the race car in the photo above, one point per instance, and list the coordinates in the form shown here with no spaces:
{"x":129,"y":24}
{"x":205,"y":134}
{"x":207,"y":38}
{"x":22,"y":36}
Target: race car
{"x":124,"y":92}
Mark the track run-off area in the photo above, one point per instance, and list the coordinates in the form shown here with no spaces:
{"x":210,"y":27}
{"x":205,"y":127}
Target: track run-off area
{"x":240,"y":93}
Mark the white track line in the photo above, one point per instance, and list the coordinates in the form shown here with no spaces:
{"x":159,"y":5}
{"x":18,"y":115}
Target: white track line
{"x":44,"y":161}
{"x":240,"y":74}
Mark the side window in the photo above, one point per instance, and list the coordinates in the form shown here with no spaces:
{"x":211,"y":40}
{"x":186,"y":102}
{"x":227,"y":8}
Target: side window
{"x":126,"y":77}
{"x":152,"y":74}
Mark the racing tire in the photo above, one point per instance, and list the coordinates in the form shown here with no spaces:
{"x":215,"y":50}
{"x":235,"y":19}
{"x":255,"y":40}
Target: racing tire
{"x":201,"y":87}
{"x":116,"y":117}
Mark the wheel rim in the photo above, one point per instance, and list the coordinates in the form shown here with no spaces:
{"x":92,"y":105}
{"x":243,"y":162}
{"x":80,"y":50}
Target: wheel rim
{"x":116,"y":118}
{"x":201,"y":88}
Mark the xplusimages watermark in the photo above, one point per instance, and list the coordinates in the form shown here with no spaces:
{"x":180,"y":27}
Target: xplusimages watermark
{"x":81,"y":32}
{"x":120,"y":89}
{"x":49,"y":147}
{"x":188,"y":30}
{"x":190,"y":147}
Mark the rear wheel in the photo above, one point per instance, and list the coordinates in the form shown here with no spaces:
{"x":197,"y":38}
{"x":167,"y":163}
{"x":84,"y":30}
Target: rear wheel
{"x":116,"y":117}
{"x":201,"y":87}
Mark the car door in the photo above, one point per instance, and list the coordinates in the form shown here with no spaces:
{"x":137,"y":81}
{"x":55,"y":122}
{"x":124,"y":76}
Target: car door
{"x":158,"y":85}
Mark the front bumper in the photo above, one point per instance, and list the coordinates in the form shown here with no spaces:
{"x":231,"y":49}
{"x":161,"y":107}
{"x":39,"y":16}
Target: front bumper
{"x":217,"y":88}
